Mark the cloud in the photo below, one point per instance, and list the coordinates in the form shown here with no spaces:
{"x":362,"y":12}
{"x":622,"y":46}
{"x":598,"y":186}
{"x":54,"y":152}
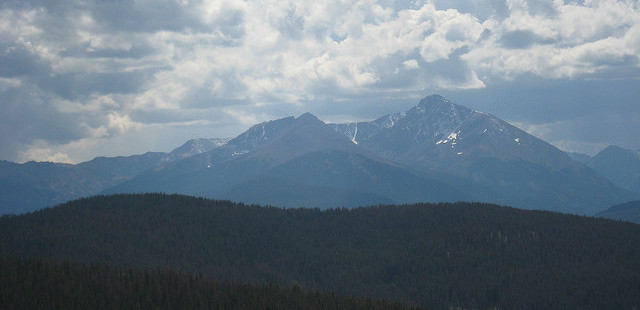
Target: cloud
{"x":18,"y":59}
{"x":559,"y":40}
{"x":102,"y":71}
{"x":9,"y":83}
{"x":44,"y":153}
{"x":520,"y":39}
{"x":411,"y":64}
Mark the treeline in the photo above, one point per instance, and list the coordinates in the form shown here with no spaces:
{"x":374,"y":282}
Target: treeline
{"x":467,"y":255}
{"x":35,"y":284}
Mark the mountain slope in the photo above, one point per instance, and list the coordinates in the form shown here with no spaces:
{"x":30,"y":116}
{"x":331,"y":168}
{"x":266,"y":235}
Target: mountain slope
{"x":333,"y":178}
{"x":197,"y":146}
{"x":619,"y":165}
{"x":524,"y":171}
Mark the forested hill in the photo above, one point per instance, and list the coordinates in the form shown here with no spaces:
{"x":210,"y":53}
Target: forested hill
{"x":432,"y":255}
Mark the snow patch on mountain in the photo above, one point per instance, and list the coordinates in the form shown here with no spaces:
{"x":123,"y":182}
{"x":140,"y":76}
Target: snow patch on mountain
{"x":391,"y":120}
{"x":453,"y":138}
{"x":355,"y":134}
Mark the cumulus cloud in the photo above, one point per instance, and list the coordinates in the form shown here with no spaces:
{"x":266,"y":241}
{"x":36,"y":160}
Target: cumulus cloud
{"x":100,"y":72}
{"x":411,"y":64}
{"x":563,"y":40}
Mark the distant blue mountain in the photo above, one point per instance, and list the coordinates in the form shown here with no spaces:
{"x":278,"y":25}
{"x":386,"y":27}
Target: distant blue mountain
{"x":621,"y":166}
{"x":628,"y":211}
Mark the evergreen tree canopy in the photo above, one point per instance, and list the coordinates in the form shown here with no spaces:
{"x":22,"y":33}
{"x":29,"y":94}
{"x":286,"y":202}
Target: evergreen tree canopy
{"x":468,"y":255}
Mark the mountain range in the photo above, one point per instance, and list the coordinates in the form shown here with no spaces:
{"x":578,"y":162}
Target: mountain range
{"x":293,"y":162}
{"x":436,"y":151}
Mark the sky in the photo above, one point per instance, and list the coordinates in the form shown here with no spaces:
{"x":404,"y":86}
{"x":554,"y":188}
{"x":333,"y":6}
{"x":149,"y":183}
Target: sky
{"x":87,"y":78}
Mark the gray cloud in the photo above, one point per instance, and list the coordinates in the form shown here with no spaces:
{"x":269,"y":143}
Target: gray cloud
{"x":521,"y":39}
{"x":291,"y":25}
{"x":75,"y":86}
{"x":143,"y":16}
{"x":26,"y":116}
{"x":543,"y":7}
{"x":84,"y":50}
{"x":17,"y":60}
{"x":495,"y":9}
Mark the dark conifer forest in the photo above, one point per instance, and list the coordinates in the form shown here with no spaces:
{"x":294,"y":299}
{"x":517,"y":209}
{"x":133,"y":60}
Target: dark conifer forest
{"x":34,"y":284}
{"x":467,"y":255}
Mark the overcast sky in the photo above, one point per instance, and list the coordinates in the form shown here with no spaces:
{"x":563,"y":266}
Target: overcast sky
{"x":86,"y":78}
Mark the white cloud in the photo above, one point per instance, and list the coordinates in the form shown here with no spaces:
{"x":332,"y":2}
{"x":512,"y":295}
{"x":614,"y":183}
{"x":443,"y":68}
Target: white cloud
{"x":631,"y":39}
{"x":452,"y":31}
{"x":21,"y":23}
{"x":577,"y":40}
{"x":9,"y":83}
{"x":40,"y":151}
{"x":43,"y":154}
{"x":120,"y":124}
{"x":411,"y":64}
